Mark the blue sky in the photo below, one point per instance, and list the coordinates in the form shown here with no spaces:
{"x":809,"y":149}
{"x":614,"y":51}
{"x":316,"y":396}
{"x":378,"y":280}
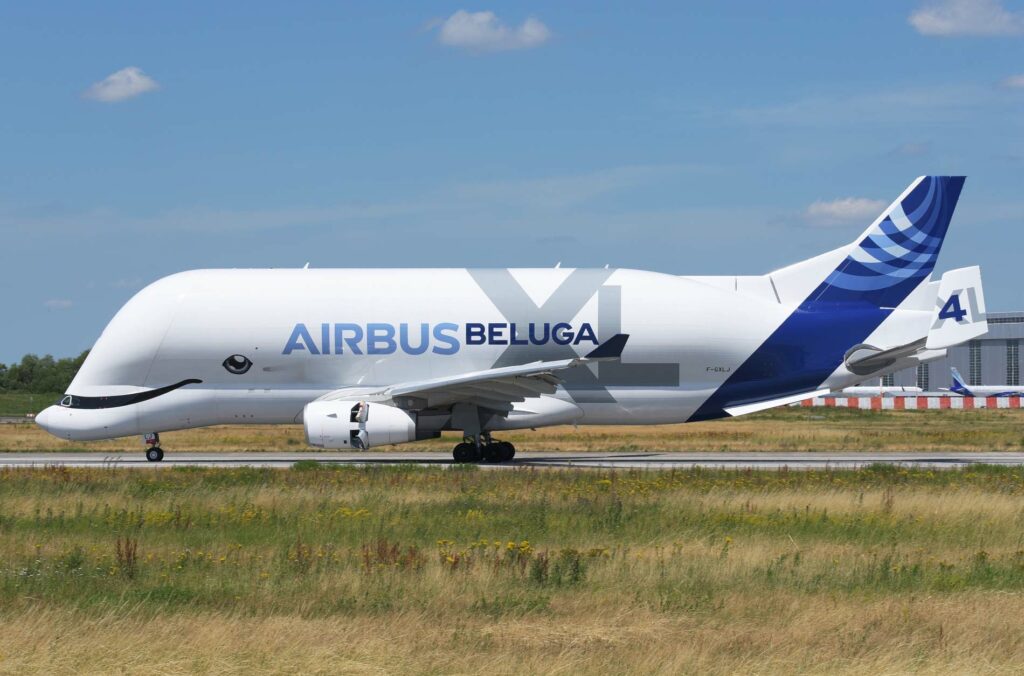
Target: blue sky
{"x":138,"y":140}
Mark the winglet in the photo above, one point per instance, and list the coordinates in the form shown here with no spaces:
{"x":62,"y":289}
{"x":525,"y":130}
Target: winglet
{"x":609,"y":349}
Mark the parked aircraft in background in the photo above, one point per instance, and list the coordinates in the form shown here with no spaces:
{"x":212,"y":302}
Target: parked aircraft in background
{"x":961,"y":387}
{"x":879,"y":391}
{"x":367,"y":357}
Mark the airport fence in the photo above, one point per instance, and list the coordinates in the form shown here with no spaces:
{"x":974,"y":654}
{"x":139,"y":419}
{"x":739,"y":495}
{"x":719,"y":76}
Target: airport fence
{"x":912,"y":403}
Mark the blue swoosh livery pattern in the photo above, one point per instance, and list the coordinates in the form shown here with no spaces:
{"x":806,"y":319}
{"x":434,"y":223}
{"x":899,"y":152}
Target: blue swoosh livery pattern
{"x":899,"y":252}
{"x":889,"y":262}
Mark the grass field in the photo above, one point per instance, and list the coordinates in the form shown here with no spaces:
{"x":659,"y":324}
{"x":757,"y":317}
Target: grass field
{"x":785,"y":429}
{"x":19,"y":404}
{"x":429,"y":570}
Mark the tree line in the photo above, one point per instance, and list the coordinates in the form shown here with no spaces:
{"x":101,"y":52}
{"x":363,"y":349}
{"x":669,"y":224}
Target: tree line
{"x":40,"y":375}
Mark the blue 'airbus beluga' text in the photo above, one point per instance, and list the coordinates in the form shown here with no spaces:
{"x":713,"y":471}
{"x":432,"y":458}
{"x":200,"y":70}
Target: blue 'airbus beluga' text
{"x":442,"y":338}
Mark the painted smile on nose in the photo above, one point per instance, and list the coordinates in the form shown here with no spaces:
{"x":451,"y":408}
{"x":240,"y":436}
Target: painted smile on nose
{"x":118,"y":400}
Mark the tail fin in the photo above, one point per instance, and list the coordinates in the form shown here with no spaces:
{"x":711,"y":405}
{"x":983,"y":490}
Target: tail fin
{"x":959,"y":386}
{"x":843,"y":297}
{"x":890,"y":259}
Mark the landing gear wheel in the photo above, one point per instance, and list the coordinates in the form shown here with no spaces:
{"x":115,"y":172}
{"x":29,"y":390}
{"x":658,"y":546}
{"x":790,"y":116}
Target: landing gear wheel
{"x":508,"y":451}
{"x":501,"y":451}
{"x":492,"y":452}
{"x":155,"y":454}
{"x":465,"y":452}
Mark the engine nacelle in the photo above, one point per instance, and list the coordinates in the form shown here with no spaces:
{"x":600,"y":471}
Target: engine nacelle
{"x":356,"y":425}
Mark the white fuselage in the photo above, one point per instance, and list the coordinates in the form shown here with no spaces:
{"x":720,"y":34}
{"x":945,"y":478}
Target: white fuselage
{"x":685,"y":338}
{"x":310,"y":332}
{"x":879,"y":391}
{"x":986,"y":391}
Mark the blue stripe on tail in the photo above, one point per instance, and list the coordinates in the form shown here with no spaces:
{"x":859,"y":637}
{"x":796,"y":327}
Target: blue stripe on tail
{"x":890,"y":261}
{"x":900,"y":252}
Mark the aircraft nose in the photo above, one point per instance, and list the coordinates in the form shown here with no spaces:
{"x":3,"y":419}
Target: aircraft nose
{"x":43,"y":417}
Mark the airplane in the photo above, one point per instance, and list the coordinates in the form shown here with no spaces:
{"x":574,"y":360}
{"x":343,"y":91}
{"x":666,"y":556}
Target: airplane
{"x":960,"y":387}
{"x":878,"y":391}
{"x":369,"y":357}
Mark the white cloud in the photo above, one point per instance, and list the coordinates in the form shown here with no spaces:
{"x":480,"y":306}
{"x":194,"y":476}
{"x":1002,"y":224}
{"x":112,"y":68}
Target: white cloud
{"x":58,"y":304}
{"x":124,"y":84}
{"x":484,"y":32}
{"x":843,"y":211}
{"x":1014,"y":82}
{"x":966,"y":17}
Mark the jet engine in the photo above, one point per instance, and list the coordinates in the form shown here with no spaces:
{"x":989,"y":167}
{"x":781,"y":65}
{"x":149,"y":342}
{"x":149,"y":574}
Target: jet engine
{"x":357,"y":425}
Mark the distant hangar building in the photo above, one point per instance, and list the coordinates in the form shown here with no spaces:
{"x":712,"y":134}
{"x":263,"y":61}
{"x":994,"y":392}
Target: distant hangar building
{"x":993,"y":359}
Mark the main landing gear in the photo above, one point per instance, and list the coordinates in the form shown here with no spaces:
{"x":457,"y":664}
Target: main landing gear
{"x":485,"y":449}
{"x":154,"y":453}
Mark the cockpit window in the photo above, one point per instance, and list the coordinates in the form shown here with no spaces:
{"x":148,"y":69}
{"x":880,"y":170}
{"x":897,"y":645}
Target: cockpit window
{"x":115,"y":400}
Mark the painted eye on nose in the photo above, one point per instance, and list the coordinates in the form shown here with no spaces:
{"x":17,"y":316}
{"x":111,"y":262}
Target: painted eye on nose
{"x":237,"y":364}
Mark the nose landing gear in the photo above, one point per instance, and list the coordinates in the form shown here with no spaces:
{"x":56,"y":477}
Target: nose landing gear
{"x":154,"y":453}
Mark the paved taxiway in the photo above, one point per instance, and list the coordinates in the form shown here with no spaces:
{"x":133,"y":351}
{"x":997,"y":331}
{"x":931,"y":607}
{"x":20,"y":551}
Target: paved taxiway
{"x":632,"y":460}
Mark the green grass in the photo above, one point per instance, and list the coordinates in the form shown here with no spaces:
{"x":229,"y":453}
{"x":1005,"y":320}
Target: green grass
{"x":214,"y":537}
{"x":20,"y":403}
{"x":425,"y":569}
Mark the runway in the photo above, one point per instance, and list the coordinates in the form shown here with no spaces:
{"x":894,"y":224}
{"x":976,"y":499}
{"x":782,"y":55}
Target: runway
{"x":623,"y":460}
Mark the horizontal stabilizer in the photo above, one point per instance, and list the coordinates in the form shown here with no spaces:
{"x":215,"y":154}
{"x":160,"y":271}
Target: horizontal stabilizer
{"x":744,"y":409}
{"x":865,"y":359}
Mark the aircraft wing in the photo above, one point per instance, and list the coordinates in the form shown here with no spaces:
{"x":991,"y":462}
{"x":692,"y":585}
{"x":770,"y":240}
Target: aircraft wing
{"x":495,"y":389}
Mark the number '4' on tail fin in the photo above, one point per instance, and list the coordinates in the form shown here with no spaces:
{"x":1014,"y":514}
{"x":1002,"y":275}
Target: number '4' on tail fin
{"x":959,"y":309}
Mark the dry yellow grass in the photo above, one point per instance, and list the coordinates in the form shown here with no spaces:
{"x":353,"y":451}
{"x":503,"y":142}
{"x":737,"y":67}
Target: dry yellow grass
{"x":267,"y":571}
{"x":975,"y":632}
{"x":788,"y":429}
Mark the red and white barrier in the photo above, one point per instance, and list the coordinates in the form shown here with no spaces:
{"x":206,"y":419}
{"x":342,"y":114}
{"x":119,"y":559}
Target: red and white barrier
{"x":911,"y":403}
